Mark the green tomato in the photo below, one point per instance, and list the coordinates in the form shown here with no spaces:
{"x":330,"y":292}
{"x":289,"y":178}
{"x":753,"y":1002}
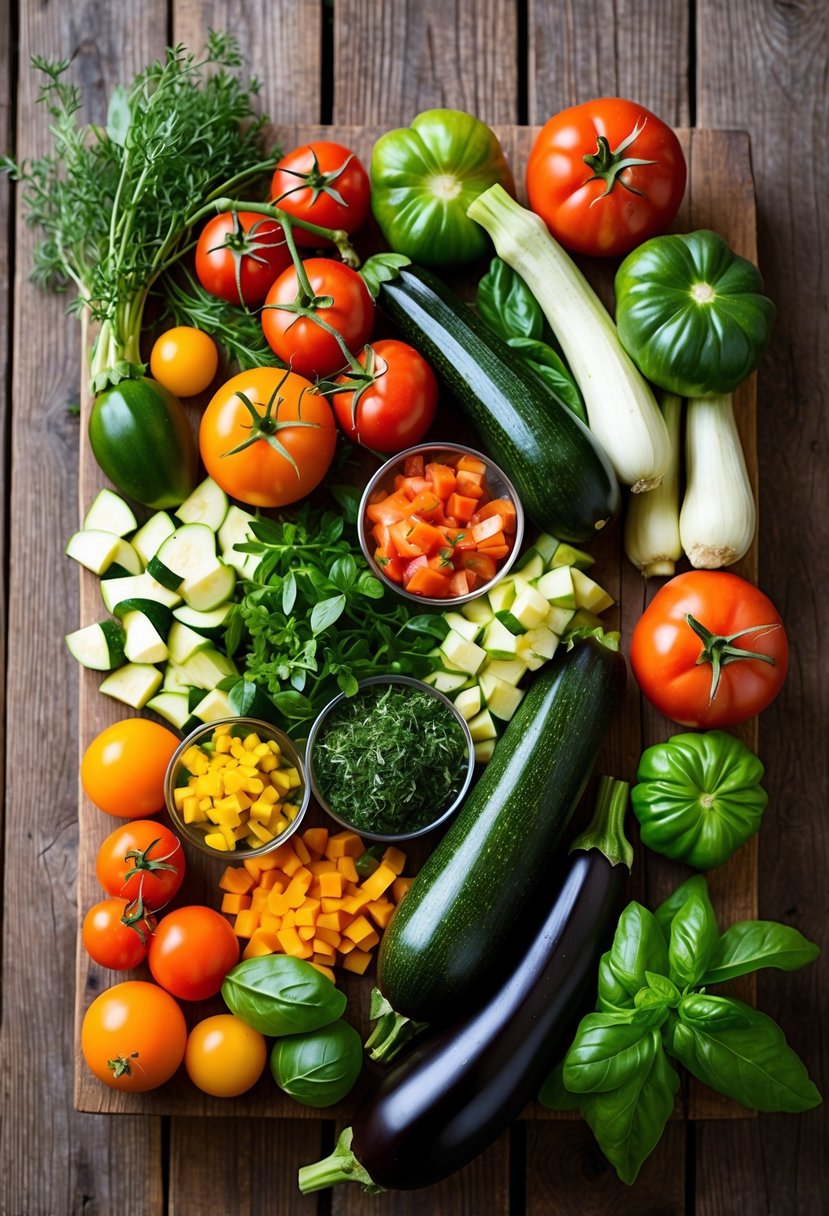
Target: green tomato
{"x":143,"y":441}
{"x":691,"y":314}
{"x":277,"y":994}
{"x":424,"y":177}
{"x":318,"y":1069}
{"x":699,"y":797}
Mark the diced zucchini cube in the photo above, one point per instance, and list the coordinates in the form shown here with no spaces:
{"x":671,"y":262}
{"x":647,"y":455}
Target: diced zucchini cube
{"x":529,"y":606}
{"x":498,"y":642}
{"x":461,"y":653}
{"x":151,"y":536}
{"x":144,"y":644}
{"x":501,"y":595}
{"x":511,"y":671}
{"x":446,"y":681}
{"x":582,"y":619}
{"x":538,"y":646}
{"x":557,"y":619}
{"x":172,"y":706}
{"x":482,"y":727}
{"x":212,"y":707}
{"x":93,"y":549}
{"x":547,"y":546}
{"x":235,"y":529}
{"x":484,"y":750}
{"x":109,"y":513}
{"x":531,"y":565}
{"x":566,"y":555}
{"x":502,"y":699}
{"x":461,"y":624}
{"x":183,"y":642}
{"x":589,"y":594}
{"x":206,"y":505}
{"x":469,"y":702}
{"x":210,"y":587}
{"x":136,"y":587}
{"x":99,"y":647}
{"x":478,"y":610}
{"x":133,"y":684}
{"x":174,"y":680}
{"x":207,"y":668}
{"x":557,"y":587}
{"x":127,"y":556}
{"x":512,"y":623}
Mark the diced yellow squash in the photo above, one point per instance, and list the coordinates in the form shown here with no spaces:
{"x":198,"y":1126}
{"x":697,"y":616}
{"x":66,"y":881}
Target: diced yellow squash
{"x":379,"y":881}
{"x":357,"y":961}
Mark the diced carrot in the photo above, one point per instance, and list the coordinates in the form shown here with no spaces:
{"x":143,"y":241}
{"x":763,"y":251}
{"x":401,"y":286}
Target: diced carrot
{"x":498,"y":506}
{"x":236,"y":880}
{"x":380,"y":533}
{"x":292,"y":943}
{"x":392,"y":567}
{"x":497,"y":552}
{"x":380,"y":911}
{"x":461,"y":507}
{"x":394,"y":858}
{"x":233,"y":903}
{"x":301,"y":850}
{"x":471,"y":464}
{"x":316,"y":839}
{"x":496,"y":541}
{"x":270,"y":922}
{"x":379,"y":881}
{"x":333,"y":920}
{"x":326,"y":971}
{"x":323,"y":866}
{"x":399,"y":888}
{"x":298,"y":887}
{"x":306,"y":932}
{"x":425,"y":537}
{"x":428,"y":582}
{"x":344,"y":844}
{"x":443,"y":479}
{"x":348,"y":869}
{"x":471,"y":485}
{"x":327,"y":952}
{"x":357,"y":961}
{"x":289,"y":919}
{"x":269,"y":880}
{"x":427,"y":505}
{"x":328,"y":935}
{"x":352,"y":904}
{"x":253,"y":865}
{"x":307,"y":913}
{"x":266,"y":862}
{"x":481,"y":563}
{"x":413,"y":466}
{"x":277,"y":902}
{"x":392,"y":509}
{"x":401,"y":539}
{"x":459,"y":538}
{"x":258,"y":899}
{"x":346,"y":946}
{"x":246,"y":923}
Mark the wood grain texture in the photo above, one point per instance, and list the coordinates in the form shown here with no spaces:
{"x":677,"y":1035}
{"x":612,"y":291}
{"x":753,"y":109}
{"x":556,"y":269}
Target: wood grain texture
{"x":580,"y":49}
{"x":392,"y":60}
{"x":762,"y":65}
{"x":52,"y":1158}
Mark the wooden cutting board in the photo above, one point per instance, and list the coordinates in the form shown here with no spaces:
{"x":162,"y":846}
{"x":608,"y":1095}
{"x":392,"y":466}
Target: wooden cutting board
{"x":720,"y":195}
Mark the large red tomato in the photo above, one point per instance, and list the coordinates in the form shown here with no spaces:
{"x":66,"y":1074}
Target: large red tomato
{"x":396,"y":410}
{"x":298,"y":340}
{"x":239,"y":254}
{"x":133,"y":1036}
{"x":295,"y":447}
{"x":192,"y":951}
{"x":324,"y":183}
{"x":605,"y":176}
{"x":143,"y":859}
{"x":710,"y":649}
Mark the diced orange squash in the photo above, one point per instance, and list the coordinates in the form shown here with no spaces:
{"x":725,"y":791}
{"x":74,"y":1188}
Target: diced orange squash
{"x":399,"y":888}
{"x":461,"y":508}
{"x":259,"y":899}
{"x":233,"y":903}
{"x":391,"y":509}
{"x":292,"y":943}
{"x":333,"y":920}
{"x":308,"y":913}
{"x":269,"y":922}
{"x":246,"y":923}
{"x":277,"y":902}
{"x":301,"y":850}
{"x":323,"y":952}
{"x":394,"y":858}
{"x":380,"y":911}
{"x":289,"y":919}
{"x":357,"y":961}
{"x":344,"y":844}
{"x":348,"y":869}
{"x":332,"y":885}
{"x":328,"y":935}
{"x":237,"y":880}
{"x":346,"y":946}
{"x":498,"y":506}
{"x":443,"y":479}
{"x":430,"y":583}
{"x":262,"y":942}
{"x":268,"y":881}
{"x":379,"y":881}
{"x":267,"y":861}
{"x":353,"y":903}
{"x":306,"y":932}
{"x":323,"y":866}
{"x":316,"y":839}
{"x":359,"y":931}
{"x":326,"y":971}
{"x":298,"y":886}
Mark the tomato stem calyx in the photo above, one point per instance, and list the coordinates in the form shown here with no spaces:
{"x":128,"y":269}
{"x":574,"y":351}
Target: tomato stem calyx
{"x":142,"y":861}
{"x":719,"y":649}
{"x":608,"y":163}
{"x":120,"y":1066}
{"x":316,"y":181}
{"x":266,"y":426}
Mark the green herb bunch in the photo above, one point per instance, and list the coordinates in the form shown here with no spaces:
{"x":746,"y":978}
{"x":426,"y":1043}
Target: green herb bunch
{"x":391,"y":760}
{"x":113,"y":203}
{"x":314,"y":620}
{"x":653,"y":1007}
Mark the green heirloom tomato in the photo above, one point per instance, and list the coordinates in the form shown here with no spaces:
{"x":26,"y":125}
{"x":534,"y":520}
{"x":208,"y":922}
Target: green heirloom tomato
{"x":141,"y":438}
{"x":318,"y":1069}
{"x":691,"y":314}
{"x":699,"y":797}
{"x":277,"y":994}
{"x":424,"y":177}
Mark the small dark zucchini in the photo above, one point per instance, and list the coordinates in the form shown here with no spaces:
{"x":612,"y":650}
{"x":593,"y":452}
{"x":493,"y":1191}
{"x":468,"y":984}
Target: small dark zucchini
{"x":565,"y":481}
{"x":458,"y":1090}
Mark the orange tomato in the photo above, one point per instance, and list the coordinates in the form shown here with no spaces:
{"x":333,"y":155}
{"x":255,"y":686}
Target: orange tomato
{"x":133,"y":1036}
{"x":267,"y":437}
{"x":184,"y":360}
{"x":123,"y":768}
{"x":224,"y":1056}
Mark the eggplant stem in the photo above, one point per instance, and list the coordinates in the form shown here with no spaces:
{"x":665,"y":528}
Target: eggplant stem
{"x":339,"y":1166}
{"x":606,"y":830}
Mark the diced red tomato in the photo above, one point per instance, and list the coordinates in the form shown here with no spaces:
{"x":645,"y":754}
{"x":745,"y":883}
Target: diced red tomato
{"x":497,"y":506}
{"x":413,"y":466}
{"x":392,"y":508}
{"x":481,"y":563}
{"x":414,"y":565}
{"x":443,"y":479}
{"x":430,"y":583}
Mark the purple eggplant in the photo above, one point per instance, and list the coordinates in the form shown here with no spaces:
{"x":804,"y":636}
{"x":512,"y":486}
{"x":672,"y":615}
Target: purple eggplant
{"x":458,"y":1090}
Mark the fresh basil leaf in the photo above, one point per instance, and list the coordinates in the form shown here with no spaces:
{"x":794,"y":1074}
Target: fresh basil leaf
{"x":347,"y":683}
{"x":612,"y":993}
{"x":269,"y":531}
{"x":276,"y":997}
{"x":668,"y":909}
{"x":233,"y":633}
{"x":694,"y":935}
{"x":343,"y":572}
{"x":551,"y":368}
{"x":646,"y":998}
{"x":382,"y":268}
{"x":299,"y":677}
{"x":293,"y":704}
{"x":555,"y":1095}
{"x":288,"y":592}
{"x":433,"y":625}
{"x":702,"y":1009}
{"x":507,"y":305}
{"x":370,"y":586}
{"x":638,"y":947}
{"x":607,"y":1051}
{"x":663,"y":986}
{"x":242,"y":698}
{"x":751,"y":1063}
{"x":753,"y":944}
{"x":326,"y":612}
{"x":347,"y":499}
{"x":628,"y":1122}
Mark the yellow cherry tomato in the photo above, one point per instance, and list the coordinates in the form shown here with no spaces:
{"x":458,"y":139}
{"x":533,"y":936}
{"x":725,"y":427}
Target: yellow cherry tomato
{"x":224,"y":1056}
{"x":184,"y":360}
{"x":123,"y":768}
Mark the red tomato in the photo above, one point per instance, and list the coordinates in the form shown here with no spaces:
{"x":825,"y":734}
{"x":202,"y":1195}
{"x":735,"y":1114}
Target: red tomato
{"x":298,"y":340}
{"x":605,"y":176}
{"x":396,"y":410}
{"x":292,"y":413}
{"x":192,"y":951}
{"x":116,"y":934}
{"x":133,"y":1036}
{"x":324,"y":183}
{"x":239,"y":254}
{"x":123,"y":768}
{"x":677,"y":670}
{"x":143,"y":859}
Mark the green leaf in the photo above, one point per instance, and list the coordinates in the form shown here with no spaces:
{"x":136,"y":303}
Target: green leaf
{"x":118,"y":115}
{"x":613,"y":995}
{"x":750,"y":1062}
{"x":293,"y":704}
{"x":382,"y":268}
{"x":663,"y":986}
{"x":638,"y":947}
{"x":347,"y":499}
{"x":549,"y":366}
{"x":628,"y":1122}
{"x":242,"y":698}
{"x":555,"y":1095}
{"x":347,"y":683}
{"x":268,"y":531}
{"x":343,"y":572}
{"x":702,"y":1009}
{"x":751,"y":945}
{"x":668,"y":909}
{"x":694,"y":935}
{"x":432,"y":624}
{"x":288,"y":592}
{"x":507,"y":305}
{"x":326,"y":613}
{"x":607,"y":1051}
{"x":370,"y":586}
{"x":233,"y":633}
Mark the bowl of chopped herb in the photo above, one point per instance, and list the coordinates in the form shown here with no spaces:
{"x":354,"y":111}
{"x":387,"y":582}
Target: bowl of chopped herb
{"x":391,"y":762}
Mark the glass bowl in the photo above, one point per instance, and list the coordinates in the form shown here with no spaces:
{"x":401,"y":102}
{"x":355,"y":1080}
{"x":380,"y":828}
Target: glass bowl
{"x":444,"y":813}
{"x":499,"y":485}
{"x":289,"y":794}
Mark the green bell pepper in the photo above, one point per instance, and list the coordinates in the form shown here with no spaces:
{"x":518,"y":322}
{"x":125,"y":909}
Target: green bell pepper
{"x":691,"y":314}
{"x":424,"y":177}
{"x":698,"y":797}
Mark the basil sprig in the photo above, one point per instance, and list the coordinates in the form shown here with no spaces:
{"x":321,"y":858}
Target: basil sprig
{"x":653,"y":1008}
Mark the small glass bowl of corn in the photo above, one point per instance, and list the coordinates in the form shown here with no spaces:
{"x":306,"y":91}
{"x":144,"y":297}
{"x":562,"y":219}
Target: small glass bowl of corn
{"x":236,"y":788}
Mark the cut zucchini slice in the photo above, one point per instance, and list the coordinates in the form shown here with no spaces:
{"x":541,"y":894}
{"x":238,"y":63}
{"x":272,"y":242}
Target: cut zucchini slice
{"x":484,"y":750}
{"x":557,"y":588}
{"x":109,"y":513}
{"x":128,"y":558}
{"x":133,"y":684}
{"x":158,"y":615}
{"x":461,"y":653}
{"x":151,"y":536}
{"x":529,"y":606}
{"x":482,"y":727}
{"x":446,"y":681}
{"x":469,"y":702}
{"x":589,"y":594}
{"x":236,"y":530}
{"x":212,"y":707}
{"x":502,"y":699}
{"x":557,"y":619}
{"x":498,"y":642}
{"x":501,"y":595}
{"x":538,"y":646}
{"x":206,"y":505}
{"x":99,"y":647}
{"x":532,"y":565}
{"x":566,"y":555}
{"x":136,"y":587}
{"x":207,"y":668}
{"x":212,"y":587}
{"x":174,"y":680}
{"x":478,"y":610}
{"x":93,"y":549}
{"x":209,"y":623}
{"x":511,"y":671}
{"x":163,"y":574}
{"x":189,"y":551}
{"x":183,"y":642}
{"x":172,"y":706}
{"x":144,"y":643}
{"x":547,"y":546}
{"x":467,"y":628}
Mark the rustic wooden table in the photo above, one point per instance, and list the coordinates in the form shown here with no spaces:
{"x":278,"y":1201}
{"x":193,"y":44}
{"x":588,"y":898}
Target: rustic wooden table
{"x":755,"y":65}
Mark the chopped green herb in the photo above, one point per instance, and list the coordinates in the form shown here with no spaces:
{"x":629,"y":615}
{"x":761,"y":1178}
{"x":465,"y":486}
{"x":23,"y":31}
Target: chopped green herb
{"x":390,"y":760}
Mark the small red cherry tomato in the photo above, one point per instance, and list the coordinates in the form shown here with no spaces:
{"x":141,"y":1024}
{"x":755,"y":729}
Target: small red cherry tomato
{"x":143,"y":859}
{"x":239,"y":254}
{"x":396,"y":410}
{"x":324,"y":183}
{"x":116,"y":934}
{"x":192,"y":951}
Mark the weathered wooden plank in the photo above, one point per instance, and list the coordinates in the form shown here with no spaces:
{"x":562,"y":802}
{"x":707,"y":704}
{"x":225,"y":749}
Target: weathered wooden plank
{"x":756,"y":61}
{"x":580,"y":49}
{"x":393,"y":60}
{"x":52,"y":1158}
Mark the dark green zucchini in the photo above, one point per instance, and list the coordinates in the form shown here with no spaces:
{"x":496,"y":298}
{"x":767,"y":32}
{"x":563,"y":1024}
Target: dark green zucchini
{"x":566,"y":483}
{"x":463,"y":909}
{"x":142,"y":440}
